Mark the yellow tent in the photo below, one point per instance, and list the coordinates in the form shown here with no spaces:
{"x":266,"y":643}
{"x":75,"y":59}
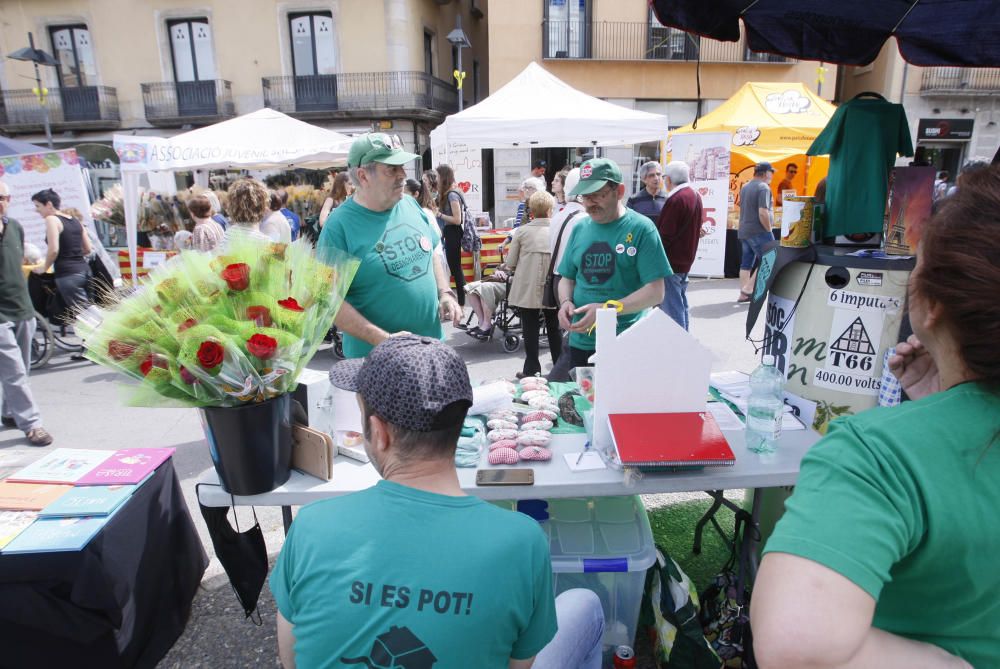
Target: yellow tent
{"x":772,"y":121}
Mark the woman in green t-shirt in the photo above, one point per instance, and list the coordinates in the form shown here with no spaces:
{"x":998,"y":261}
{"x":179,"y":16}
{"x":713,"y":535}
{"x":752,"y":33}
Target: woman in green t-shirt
{"x":888,"y":551}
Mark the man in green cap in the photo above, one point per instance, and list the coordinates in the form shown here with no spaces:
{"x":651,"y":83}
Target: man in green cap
{"x":613,"y":254}
{"x":401,"y":285}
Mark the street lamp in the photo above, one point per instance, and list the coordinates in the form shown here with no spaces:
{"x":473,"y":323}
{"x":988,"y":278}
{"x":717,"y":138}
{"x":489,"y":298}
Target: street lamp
{"x":38,"y":57}
{"x":460,"y":41}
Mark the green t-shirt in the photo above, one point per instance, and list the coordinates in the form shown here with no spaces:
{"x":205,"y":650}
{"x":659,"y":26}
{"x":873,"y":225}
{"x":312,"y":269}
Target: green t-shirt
{"x":15,"y":304}
{"x":610,"y":261}
{"x":905,"y":503}
{"x":862,"y":138}
{"x":403,"y":569}
{"x":395,"y":287}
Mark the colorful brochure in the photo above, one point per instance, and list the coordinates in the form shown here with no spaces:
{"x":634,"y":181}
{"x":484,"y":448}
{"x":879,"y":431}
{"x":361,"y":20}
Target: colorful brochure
{"x":95,"y":500}
{"x":13,"y":523}
{"x":63,"y":465}
{"x":29,"y":496}
{"x":129,"y":465}
{"x":47,"y":535}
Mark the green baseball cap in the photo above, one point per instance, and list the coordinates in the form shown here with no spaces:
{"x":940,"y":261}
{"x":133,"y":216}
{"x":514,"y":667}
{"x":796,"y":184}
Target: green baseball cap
{"x":594,"y":174}
{"x":378,"y":147}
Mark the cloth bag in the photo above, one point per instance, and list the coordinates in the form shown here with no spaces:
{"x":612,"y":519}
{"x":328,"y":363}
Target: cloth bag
{"x":670,"y":612}
{"x":243,"y":555}
{"x":550,"y":300}
{"x":725,"y":613}
{"x":471,"y":241}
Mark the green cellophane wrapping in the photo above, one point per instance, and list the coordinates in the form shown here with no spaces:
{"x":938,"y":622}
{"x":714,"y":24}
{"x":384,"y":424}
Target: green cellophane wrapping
{"x":192,"y":299}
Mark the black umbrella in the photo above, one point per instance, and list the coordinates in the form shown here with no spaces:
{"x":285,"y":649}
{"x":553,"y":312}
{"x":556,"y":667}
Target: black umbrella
{"x":848,"y":32}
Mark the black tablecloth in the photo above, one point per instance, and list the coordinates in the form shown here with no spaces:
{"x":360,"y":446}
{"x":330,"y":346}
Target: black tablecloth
{"x":120,"y":602}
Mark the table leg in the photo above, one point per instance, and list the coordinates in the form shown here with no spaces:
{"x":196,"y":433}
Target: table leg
{"x":286,"y":518}
{"x":751,"y":542}
{"x":716,"y":495}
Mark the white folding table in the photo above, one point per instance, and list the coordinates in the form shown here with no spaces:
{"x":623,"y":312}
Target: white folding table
{"x":553,"y":479}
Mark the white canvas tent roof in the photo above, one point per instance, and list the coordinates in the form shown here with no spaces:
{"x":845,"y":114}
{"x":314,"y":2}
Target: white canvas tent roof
{"x":537,"y":109}
{"x":264,"y":139}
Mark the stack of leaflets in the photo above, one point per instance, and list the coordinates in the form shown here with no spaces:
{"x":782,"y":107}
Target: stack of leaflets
{"x":129,"y":465}
{"x":98,"y":500}
{"x":62,"y":500}
{"x":48,"y":535}
{"x":13,"y":523}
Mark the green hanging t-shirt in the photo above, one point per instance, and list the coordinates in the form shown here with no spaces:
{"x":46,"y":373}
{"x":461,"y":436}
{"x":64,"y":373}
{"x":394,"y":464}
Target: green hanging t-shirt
{"x":609,"y":261}
{"x":395,"y":287}
{"x":903,"y":502}
{"x":863,"y":137}
{"x":392,"y":571}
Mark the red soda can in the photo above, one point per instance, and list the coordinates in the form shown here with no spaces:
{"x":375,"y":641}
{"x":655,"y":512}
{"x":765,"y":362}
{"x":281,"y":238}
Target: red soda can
{"x":624,"y":658}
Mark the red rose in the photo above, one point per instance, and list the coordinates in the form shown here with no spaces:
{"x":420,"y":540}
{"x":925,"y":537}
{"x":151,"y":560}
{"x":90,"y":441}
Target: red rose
{"x":152,"y":360}
{"x":120,"y":350}
{"x":237,"y":276}
{"x":187,"y":377}
{"x":210,"y":354}
{"x":259,"y":315}
{"x":189,"y":323}
{"x":262,"y":346}
{"x":291,"y":304}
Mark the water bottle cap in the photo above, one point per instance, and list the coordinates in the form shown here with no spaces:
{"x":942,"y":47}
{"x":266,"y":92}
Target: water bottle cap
{"x":768,"y":360}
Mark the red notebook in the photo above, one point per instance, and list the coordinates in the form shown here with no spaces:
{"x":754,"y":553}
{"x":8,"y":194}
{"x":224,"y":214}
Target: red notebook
{"x":669,"y":440}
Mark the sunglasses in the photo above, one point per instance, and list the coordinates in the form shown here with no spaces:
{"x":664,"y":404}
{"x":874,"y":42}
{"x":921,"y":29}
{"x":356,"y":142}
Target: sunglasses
{"x":5,"y":198}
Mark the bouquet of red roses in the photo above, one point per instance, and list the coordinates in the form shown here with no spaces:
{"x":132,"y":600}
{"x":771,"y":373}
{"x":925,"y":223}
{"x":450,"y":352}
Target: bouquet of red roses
{"x":221,"y":329}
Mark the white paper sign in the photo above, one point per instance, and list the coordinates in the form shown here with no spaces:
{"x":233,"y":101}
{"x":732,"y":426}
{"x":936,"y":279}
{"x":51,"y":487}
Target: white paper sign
{"x":791,"y":213}
{"x":707,"y":154}
{"x":152,"y":259}
{"x":468,"y":166}
{"x":779,"y":326}
{"x":29,"y":173}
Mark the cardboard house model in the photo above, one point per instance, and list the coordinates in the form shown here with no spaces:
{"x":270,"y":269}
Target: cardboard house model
{"x":655,"y":366}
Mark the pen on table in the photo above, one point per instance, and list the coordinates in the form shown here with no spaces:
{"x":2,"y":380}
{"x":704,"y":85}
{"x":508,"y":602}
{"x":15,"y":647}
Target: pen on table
{"x":586,"y":447}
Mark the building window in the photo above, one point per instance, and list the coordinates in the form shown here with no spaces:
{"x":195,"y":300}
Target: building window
{"x":191,"y":49}
{"x":313,"y":45}
{"x":567,"y":29}
{"x":75,"y":53}
{"x":429,"y":52}
{"x":670,"y":43}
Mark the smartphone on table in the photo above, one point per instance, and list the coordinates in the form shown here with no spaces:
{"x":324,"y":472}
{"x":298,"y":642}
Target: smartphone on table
{"x":485,"y":477}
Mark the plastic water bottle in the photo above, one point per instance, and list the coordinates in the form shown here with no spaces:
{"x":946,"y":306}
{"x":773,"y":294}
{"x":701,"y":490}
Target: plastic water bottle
{"x":765,"y":407}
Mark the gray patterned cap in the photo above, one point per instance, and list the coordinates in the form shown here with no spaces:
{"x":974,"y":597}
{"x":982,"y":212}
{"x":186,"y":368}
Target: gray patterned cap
{"x":407,"y":380}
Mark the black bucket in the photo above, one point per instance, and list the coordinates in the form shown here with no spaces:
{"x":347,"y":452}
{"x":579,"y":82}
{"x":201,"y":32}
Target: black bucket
{"x":251,"y":445}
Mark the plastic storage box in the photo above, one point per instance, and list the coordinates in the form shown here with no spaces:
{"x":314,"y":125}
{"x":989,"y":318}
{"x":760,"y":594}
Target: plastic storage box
{"x":603,"y":544}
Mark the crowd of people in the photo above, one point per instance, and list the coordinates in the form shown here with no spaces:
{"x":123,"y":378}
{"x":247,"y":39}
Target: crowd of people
{"x":862,"y":570}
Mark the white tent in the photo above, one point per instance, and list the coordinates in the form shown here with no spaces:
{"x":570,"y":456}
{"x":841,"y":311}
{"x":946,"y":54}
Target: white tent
{"x":264,"y":139}
{"x":536,"y":109}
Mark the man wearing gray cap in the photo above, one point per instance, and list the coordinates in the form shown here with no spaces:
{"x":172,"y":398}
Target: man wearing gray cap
{"x":400,"y":286}
{"x":413,"y":564}
{"x":756,"y":221}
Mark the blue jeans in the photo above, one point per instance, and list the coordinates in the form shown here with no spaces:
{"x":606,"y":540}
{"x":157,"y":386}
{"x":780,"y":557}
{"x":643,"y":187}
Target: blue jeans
{"x":753,"y":249}
{"x":577,"y":642}
{"x":675,"y":300}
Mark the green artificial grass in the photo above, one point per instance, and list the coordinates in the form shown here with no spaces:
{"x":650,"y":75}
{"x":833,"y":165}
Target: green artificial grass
{"x":673,"y":530}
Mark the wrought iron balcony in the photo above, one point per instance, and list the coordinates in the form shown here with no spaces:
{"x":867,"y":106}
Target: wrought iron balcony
{"x":960,"y":81}
{"x":414,"y":95}
{"x":623,"y":40}
{"x":176,"y":103}
{"x":74,"y":108}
